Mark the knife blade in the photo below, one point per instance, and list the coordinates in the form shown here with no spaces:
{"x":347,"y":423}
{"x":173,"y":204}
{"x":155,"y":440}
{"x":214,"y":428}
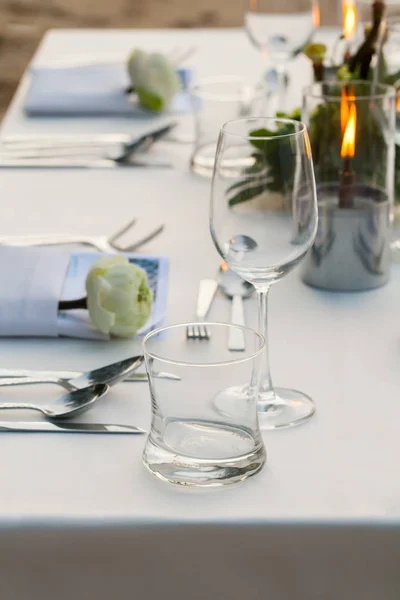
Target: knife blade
{"x":206,"y":294}
{"x":21,"y":144}
{"x":52,"y":427}
{"x":59,"y":163}
{"x":17,"y":373}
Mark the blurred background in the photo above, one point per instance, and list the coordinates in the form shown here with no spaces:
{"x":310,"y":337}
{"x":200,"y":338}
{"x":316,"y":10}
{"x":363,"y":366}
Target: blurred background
{"x":23,"y":22}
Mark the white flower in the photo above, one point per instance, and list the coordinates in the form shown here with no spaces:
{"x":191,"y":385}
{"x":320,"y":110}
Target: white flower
{"x":154,"y":79}
{"x":119,"y":298}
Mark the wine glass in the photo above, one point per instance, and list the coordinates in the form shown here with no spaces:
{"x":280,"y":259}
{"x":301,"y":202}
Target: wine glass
{"x":263,"y":219}
{"x":280,"y":33}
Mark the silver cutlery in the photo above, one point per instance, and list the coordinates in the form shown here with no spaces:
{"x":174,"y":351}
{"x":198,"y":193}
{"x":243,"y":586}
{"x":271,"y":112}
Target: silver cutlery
{"x":51,"y":427}
{"x":235,"y":288}
{"x":10,"y":162}
{"x":85,"y":149}
{"x":7,"y":374}
{"x":68,"y":405}
{"x":207,"y":290}
{"x":110,"y":374}
{"x":100,"y":242}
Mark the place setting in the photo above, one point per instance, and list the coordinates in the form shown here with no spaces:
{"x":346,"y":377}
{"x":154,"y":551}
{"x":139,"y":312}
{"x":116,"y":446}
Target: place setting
{"x":151,"y":88}
{"x":312,"y":189}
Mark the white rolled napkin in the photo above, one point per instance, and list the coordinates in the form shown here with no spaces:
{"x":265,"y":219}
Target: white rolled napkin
{"x":31,"y":283}
{"x":34,"y":280}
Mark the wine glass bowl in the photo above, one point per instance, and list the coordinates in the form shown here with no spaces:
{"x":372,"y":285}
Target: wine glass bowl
{"x":280,"y":33}
{"x":263,"y":220}
{"x":265,"y":226}
{"x":283,"y":33}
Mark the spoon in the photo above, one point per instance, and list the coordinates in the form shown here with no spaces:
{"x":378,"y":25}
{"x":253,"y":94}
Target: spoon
{"x":110,"y":374}
{"x":235,"y":288}
{"x":65,"y":406}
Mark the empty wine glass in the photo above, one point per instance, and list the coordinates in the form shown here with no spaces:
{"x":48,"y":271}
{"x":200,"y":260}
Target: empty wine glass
{"x":280,"y":33}
{"x":263,"y":219}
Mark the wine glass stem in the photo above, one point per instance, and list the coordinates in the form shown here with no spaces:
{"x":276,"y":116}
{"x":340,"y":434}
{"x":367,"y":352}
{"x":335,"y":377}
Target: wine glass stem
{"x":281,"y":76}
{"x":266,"y":388}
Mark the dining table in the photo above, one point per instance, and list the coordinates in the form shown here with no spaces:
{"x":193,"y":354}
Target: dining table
{"x":80,"y":517}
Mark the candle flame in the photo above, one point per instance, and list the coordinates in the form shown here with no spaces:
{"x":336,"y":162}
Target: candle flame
{"x":349,"y":19}
{"x":348,"y":121}
{"x":344,"y":110}
{"x":316,"y":15}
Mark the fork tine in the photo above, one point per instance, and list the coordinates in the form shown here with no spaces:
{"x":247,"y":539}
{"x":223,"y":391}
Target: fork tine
{"x":197,"y":332}
{"x":120,"y":232}
{"x":143,"y":241}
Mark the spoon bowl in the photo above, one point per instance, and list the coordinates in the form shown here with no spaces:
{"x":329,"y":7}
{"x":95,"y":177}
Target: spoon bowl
{"x":66,"y":406}
{"x":110,"y":375}
{"x":232,"y":285}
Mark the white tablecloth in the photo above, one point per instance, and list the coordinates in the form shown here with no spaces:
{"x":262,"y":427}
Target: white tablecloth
{"x":81,"y":518}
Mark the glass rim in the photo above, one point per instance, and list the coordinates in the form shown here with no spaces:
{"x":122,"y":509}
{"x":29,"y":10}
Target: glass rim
{"x":386,"y":90}
{"x":225,"y":363}
{"x":298,"y":124}
{"x":194,"y":88}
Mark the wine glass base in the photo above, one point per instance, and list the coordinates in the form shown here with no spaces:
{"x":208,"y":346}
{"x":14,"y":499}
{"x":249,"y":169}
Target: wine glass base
{"x":283,"y":408}
{"x":288,"y":408}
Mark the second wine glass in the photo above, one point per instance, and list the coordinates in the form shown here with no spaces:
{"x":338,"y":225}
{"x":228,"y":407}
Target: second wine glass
{"x":280,"y":33}
{"x":263,"y":220}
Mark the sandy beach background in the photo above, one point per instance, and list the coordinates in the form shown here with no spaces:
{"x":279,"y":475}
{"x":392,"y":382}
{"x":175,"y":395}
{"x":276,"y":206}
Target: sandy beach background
{"x":23,"y":22}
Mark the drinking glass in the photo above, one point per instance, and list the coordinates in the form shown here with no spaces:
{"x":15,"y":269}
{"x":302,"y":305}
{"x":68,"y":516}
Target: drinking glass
{"x":279,"y":33}
{"x":214,"y":101}
{"x":263,"y":219}
{"x":190,"y":443}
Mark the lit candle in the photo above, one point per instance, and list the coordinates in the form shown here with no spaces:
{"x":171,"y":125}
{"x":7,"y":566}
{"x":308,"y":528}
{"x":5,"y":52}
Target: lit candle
{"x":348,"y":121}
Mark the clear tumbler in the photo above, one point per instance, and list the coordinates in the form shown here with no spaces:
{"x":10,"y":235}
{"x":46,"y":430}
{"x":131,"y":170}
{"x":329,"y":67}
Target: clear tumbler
{"x":190,"y":443}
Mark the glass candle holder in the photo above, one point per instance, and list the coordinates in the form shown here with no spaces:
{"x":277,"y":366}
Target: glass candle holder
{"x":190,"y":442}
{"x":351,"y":127}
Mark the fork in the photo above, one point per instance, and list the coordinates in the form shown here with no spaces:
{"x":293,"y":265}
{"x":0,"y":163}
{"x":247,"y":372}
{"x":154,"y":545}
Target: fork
{"x":199,"y":331}
{"x":101,"y":243}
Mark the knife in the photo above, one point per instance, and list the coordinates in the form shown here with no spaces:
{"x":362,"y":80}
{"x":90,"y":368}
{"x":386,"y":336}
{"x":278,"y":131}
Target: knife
{"x":60,"y":163}
{"x":207,"y":290}
{"x":18,"y":373}
{"x":52,"y":427}
{"x":69,"y":158}
{"x":25,"y":147}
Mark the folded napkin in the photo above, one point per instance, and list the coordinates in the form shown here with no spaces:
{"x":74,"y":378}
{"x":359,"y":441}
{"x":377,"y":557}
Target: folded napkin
{"x":90,"y":90}
{"x":34,"y":280}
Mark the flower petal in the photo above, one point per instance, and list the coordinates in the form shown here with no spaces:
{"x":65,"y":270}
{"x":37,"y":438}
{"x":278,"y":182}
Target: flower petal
{"x":97,"y":291}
